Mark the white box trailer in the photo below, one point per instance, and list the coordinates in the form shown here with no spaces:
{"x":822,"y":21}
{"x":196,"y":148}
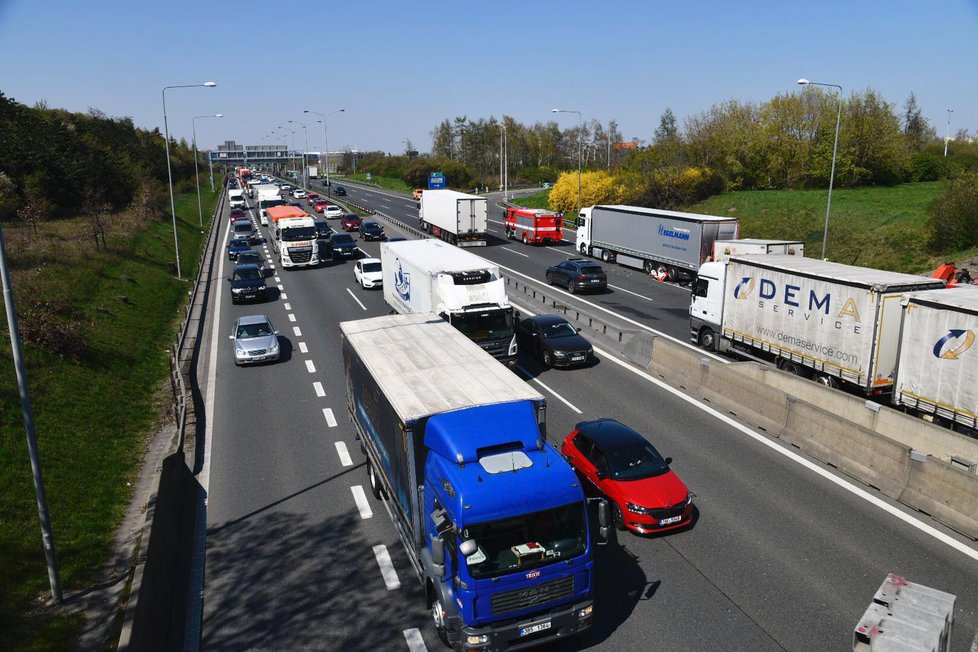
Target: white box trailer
{"x":312,"y":172}
{"x":724,"y":249}
{"x":455,"y":217}
{"x":654,"y":240}
{"x":938,"y":369}
{"x":811,"y":317}
{"x":462,"y":288}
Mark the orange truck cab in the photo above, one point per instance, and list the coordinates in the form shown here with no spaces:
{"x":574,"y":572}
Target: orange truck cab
{"x":533,"y":226}
{"x":276,"y":213}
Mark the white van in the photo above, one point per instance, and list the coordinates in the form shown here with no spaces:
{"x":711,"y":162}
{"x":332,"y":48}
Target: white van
{"x":236,"y":198}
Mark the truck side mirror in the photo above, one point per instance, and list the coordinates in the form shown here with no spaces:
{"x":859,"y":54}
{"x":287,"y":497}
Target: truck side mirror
{"x":603,"y":520}
{"x":438,"y":556}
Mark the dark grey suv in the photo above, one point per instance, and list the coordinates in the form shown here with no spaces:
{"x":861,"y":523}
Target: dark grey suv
{"x":578,"y":275}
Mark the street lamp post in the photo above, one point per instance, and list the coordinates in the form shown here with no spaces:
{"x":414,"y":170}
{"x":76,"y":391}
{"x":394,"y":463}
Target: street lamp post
{"x":169,"y":169}
{"x":326,"y":137}
{"x":580,"y":142}
{"x":947,"y":137}
{"x":305,"y":150}
{"x":200,"y":211}
{"x":835,"y":149}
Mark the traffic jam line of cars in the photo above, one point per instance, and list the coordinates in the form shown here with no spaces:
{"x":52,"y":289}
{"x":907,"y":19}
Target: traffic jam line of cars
{"x":255,"y":340}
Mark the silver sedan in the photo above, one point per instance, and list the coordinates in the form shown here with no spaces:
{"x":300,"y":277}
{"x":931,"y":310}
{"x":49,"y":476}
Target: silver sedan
{"x":255,"y":340}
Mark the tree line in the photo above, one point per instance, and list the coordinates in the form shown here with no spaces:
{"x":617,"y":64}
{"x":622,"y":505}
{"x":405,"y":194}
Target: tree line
{"x":54,"y":163}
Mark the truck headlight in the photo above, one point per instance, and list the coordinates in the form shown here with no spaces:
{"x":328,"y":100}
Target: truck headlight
{"x":586,"y":611}
{"x":477,"y":640}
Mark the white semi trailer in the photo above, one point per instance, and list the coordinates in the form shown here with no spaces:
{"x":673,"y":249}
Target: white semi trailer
{"x":454,"y":217}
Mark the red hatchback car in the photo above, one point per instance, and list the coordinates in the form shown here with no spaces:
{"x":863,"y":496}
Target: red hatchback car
{"x":618,"y":463}
{"x":320,"y":205}
{"x":351,"y":222}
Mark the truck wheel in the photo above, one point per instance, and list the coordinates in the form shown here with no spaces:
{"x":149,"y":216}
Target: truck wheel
{"x":827,"y":380}
{"x":790,"y":367}
{"x":649,"y":267}
{"x":548,"y":360}
{"x":526,"y":240}
{"x":708,"y":339}
{"x":606,"y":256}
{"x":375,"y":487}
{"x":438,"y":618}
{"x":673,"y":274}
{"x":616,"y":516}
{"x":584,"y":249}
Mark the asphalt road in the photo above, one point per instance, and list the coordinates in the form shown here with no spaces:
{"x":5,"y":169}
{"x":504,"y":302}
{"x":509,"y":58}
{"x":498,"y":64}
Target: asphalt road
{"x":780,"y":557}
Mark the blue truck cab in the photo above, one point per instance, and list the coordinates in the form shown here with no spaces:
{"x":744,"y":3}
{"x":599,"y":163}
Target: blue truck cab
{"x":494,"y":520}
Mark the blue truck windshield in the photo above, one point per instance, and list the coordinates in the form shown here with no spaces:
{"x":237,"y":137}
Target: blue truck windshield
{"x":526,"y":541}
{"x":485,"y":325}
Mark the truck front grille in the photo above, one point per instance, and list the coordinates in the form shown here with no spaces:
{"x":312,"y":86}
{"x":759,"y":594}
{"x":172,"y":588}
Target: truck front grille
{"x":529,"y":597}
{"x":300,"y":255}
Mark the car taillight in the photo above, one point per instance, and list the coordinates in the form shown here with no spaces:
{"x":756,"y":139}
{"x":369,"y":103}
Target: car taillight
{"x":581,"y":277}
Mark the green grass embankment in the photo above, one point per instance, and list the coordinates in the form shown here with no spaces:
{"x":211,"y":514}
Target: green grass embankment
{"x":94,"y":411}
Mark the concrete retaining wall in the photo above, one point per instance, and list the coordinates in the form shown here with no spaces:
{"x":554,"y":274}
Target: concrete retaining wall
{"x":945,"y":493}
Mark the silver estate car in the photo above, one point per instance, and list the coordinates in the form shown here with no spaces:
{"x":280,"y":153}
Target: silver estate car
{"x":255,"y":340}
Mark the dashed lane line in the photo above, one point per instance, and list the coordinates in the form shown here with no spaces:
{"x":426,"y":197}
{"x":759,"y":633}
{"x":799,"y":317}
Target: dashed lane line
{"x":291,"y":317}
{"x":355,"y":298}
{"x":297,"y":331}
{"x":415,"y":641}
{"x":287,"y":306}
{"x":303,"y":348}
{"x":360,"y":498}
{"x":330,"y":418}
{"x":386,"y":567}
{"x":555,"y":394}
{"x":318,"y":386}
{"x":310,"y":367}
{"x":514,"y":252}
{"x":344,"y":454}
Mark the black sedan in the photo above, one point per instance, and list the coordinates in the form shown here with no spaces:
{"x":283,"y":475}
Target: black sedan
{"x":339,"y":191}
{"x":341,"y":245}
{"x":554,"y":341}
{"x":248,"y":283}
{"x":236,"y":245}
{"x":371,"y":231}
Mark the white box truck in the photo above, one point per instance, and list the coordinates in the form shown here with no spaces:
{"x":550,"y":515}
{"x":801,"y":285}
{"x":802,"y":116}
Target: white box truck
{"x":454,"y":217}
{"x":266,"y":196}
{"x":294,"y":240}
{"x":937,"y":373}
{"x":463,"y":289}
{"x":837,"y":323}
{"x":656,"y":241}
{"x":312,"y":171}
{"x":724,"y":249}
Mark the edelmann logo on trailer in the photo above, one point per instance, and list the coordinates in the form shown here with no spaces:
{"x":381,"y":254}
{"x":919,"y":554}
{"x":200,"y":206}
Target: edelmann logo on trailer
{"x":795,"y":301}
{"x":674,"y":232}
{"x":952,"y":345}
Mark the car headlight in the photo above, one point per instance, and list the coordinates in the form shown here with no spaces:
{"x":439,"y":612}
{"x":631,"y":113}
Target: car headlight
{"x":560,"y":354}
{"x":637,"y":509}
{"x":273,"y":348}
{"x":237,"y":290}
{"x":240,"y":353}
{"x":689,"y":498}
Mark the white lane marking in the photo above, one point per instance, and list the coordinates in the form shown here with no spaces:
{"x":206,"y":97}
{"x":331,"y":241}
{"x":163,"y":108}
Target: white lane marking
{"x":303,"y":348}
{"x":297,"y":331}
{"x":291,"y":317}
{"x":569,"y":254}
{"x":330,"y":418}
{"x":278,"y":279}
{"x":310,"y":367}
{"x":355,"y":298}
{"x":640,"y":296}
{"x":556,"y":395}
{"x":702,"y":352}
{"x":513,"y":252}
{"x":284,"y":297}
{"x":318,"y":386}
{"x":287,"y":306}
{"x":363,"y":506}
{"x":280,"y":287}
{"x":415,"y":642}
{"x":386,"y":567}
{"x":811,"y":466}
{"x":344,"y":454}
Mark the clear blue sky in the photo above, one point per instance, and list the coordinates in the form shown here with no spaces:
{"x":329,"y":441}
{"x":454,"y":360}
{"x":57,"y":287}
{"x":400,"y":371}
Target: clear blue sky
{"x":399,"y":68}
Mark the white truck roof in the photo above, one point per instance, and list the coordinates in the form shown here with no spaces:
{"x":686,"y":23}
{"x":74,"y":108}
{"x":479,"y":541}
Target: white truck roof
{"x":425,"y":366}
{"x":423,"y":253}
{"x":657,"y":211}
{"x":962,"y":297}
{"x":289,"y":222}
{"x":873,"y":279}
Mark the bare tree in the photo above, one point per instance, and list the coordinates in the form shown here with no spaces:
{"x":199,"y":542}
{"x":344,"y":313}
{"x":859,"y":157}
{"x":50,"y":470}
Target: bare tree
{"x":34,"y":210}
{"x":96,"y":212}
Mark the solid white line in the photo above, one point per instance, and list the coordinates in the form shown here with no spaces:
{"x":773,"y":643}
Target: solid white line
{"x":556,"y":395}
{"x":360,"y":499}
{"x":386,"y":567}
{"x":415,"y":642}
{"x":355,"y":298}
{"x":344,"y":454}
{"x":303,"y":348}
{"x":811,"y":466}
{"x":287,"y":306}
{"x":330,"y":419}
{"x":310,"y":367}
{"x":297,"y":331}
{"x":318,"y":386}
{"x":630,"y":292}
{"x":514,"y":252}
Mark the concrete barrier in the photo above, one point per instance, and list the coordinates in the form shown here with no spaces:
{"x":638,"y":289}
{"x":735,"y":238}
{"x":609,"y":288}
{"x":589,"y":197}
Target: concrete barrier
{"x":925,"y":436}
{"x":945,"y":493}
{"x":856,"y":451}
{"x":680,"y":365}
{"x":745,"y":397}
